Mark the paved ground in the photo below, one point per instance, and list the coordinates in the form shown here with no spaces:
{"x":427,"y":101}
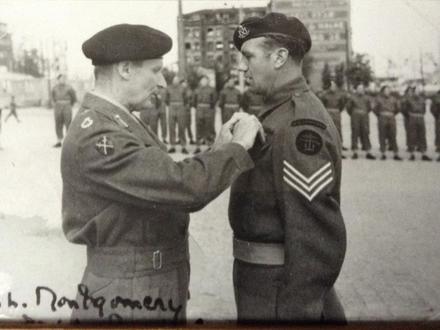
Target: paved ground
{"x":391,"y":270}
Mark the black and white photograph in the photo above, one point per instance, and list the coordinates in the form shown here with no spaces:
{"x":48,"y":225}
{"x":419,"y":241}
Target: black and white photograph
{"x":219,"y":162}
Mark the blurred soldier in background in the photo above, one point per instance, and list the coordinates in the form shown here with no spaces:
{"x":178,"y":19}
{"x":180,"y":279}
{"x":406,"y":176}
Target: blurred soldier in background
{"x":334,"y":101}
{"x":124,"y":197}
{"x":358,"y":107}
{"x":414,"y":107}
{"x":176,"y":101}
{"x":155,"y":112}
{"x":188,"y":105}
{"x":149,"y":112}
{"x":251,"y":102}
{"x":435,"y":110}
{"x":405,"y":115}
{"x":12,"y":110}
{"x":229,"y":99}
{"x":386,"y":108}
{"x":204,"y":102}
{"x":63,"y":98}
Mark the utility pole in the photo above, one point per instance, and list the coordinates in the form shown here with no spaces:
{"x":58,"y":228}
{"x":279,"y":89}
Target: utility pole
{"x":422,"y":73}
{"x":181,"y":41}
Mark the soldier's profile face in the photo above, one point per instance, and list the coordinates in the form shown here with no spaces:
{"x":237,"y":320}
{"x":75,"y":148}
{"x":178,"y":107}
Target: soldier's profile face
{"x":145,"y":80}
{"x":256,"y":65}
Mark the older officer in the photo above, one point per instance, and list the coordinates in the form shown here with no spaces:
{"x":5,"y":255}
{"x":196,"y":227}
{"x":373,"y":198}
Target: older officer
{"x":63,"y":98}
{"x":289,"y":234}
{"x":386,"y":109}
{"x":359,"y":107}
{"x":124,"y":197}
{"x":229,"y":100}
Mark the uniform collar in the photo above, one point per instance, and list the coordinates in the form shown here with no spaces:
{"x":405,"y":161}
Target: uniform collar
{"x":295,"y":87}
{"x":110,"y":100}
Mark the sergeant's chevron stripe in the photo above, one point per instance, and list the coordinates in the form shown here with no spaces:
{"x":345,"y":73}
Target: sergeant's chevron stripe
{"x":310,"y":186}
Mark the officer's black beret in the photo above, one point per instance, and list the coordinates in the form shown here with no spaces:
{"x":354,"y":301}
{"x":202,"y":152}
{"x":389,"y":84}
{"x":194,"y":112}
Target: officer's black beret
{"x":273,"y":24}
{"x":126,"y":42}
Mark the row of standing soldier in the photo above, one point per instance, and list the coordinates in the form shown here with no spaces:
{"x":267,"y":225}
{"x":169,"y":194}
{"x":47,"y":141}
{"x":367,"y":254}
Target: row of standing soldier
{"x":179,"y":99}
{"x":386,"y":105}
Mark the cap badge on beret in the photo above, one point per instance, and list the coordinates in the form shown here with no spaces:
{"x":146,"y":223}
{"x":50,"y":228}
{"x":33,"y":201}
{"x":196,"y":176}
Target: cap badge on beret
{"x":243,"y":32}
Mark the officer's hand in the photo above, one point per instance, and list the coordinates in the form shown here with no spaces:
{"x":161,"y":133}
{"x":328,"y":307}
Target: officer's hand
{"x":245,"y":131}
{"x":225,"y":135}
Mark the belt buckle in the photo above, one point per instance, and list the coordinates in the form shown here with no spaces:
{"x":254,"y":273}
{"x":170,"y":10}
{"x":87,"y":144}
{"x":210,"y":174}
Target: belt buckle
{"x":157,"y":260}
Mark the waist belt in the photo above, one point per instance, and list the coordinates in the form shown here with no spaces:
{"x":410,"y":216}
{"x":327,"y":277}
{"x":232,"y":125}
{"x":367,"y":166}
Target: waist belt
{"x":62,"y":101}
{"x":231,"y":105}
{"x":259,"y":253}
{"x":176,"y":102}
{"x":387,"y":113}
{"x":360,"y":111}
{"x":412,"y":114}
{"x":116,"y":262}
{"x":333,"y":110}
{"x":204,"y":104}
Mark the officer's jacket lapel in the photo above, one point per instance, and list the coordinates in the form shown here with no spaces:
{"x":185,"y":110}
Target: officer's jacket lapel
{"x":122,"y":118}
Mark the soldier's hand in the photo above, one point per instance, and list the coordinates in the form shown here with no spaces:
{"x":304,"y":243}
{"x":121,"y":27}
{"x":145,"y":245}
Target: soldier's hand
{"x":245,"y":131}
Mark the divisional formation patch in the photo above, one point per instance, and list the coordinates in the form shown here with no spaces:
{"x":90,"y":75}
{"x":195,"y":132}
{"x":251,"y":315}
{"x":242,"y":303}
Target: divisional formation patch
{"x":105,"y":146}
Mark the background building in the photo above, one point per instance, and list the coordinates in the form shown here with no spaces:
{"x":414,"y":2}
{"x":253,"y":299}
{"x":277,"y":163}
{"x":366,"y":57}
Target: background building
{"x":208,"y":38}
{"x":328,"y":22}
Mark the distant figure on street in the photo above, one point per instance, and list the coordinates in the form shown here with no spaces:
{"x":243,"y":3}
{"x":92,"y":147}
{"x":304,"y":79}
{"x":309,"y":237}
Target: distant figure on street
{"x":251,"y":102}
{"x":204,"y":102}
{"x":435,"y":110}
{"x":176,"y":102}
{"x":414,"y":107}
{"x":386,"y":108}
{"x":63,"y":98}
{"x":359,"y":107}
{"x":12,"y":110}
{"x":229,"y":100}
{"x":188,"y":105}
{"x":334,"y":101}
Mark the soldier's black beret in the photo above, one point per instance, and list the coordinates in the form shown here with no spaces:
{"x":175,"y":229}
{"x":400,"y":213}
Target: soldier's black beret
{"x":126,"y":42}
{"x":273,"y":24}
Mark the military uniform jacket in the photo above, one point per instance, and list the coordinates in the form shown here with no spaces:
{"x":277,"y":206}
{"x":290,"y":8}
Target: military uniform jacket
{"x":230,"y":96}
{"x":121,"y":188}
{"x":292,"y":197}
{"x":435,"y":106}
{"x":333,"y":100}
{"x":358,"y":101}
{"x":63,"y":92}
{"x":386,"y":104}
{"x":175,"y":94}
{"x":205,"y":95}
{"x":414,"y":105}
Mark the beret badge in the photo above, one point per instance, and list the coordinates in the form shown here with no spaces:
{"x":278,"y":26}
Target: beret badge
{"x":243,"y":32}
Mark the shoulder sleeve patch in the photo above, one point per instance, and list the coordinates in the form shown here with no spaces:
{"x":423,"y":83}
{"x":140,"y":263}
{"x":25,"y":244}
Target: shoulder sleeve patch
{"x":308,"y":122}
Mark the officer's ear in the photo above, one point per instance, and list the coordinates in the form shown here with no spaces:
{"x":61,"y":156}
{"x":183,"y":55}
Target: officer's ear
{"x":124,"y":69}
{"x":280,"y":57}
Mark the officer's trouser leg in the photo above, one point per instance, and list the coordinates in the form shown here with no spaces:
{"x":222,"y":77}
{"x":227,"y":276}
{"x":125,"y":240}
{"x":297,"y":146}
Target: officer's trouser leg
{"x":67,"y":115}
{"x":181,"y":123}
{"x":382,"y":128}
{"x":355,"y":131}
{"x":422,"y":135}
{"x":172,"y":120}
{"x":58,"y":112}
{"x":163,"y":124}
{"x":365,"y":132}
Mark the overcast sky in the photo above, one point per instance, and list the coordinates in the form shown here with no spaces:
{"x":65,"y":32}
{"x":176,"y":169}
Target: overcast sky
{"x":385,"y":29}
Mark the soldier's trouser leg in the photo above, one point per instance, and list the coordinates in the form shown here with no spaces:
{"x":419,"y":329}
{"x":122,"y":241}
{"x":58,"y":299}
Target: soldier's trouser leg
{"x":406,"y":125}
{"x":67,"y":116}
{"x":392,"y":134}
{"x":336,"y":117}
{"x":382,"y":128}
{"x":58,"y":112}
{"x":355,"y":130}
{"x":256,"y":290}
{"x":200,"y":125}
{"x":188,"y":123}
{"x":172,"y":121}
{"x":412,"y":133}
{"x":163,"y":124}
{"x":181,"y":123}
{"x":365,"y":132}
{"x":210,"y":125}
{"x":437,"y":134}
{"x":421,"y":136}
{"x":227,"y":113}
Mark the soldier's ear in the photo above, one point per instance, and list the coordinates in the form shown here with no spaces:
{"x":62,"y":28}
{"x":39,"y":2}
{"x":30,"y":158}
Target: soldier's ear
{"x":124,"y":70}
{"x":280,"y":57}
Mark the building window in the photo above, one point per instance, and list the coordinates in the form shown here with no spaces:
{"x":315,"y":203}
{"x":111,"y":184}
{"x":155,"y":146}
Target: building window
{"x":196,"y":33}
{"x":187,"y":45}
{"x":210,"y":46}
{"x":219,"y":45}
{"x":231,"y":45}
{"x":210,"y":32}
{"x":196,"y":59}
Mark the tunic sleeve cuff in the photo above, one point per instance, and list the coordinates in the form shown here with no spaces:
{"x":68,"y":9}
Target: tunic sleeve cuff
{"x":241,"y":156}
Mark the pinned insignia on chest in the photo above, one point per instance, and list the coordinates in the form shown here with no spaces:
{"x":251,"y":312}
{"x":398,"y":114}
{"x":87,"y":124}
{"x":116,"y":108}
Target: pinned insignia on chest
{"x":105,"y":146}
{"x":309,"y":142}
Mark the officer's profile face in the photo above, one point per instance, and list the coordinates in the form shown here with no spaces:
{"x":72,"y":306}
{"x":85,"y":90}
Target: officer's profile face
{"x":144,"y":79}
{"x":257,"y":65}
